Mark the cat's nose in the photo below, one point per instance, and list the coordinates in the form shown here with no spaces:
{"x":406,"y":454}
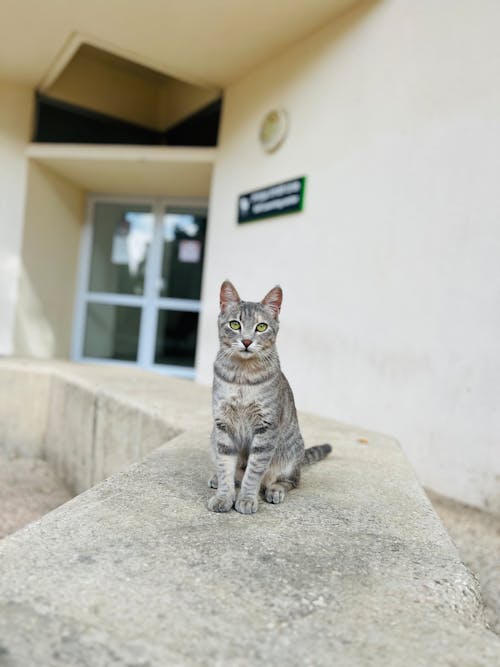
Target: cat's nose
{"x":247,"y":342}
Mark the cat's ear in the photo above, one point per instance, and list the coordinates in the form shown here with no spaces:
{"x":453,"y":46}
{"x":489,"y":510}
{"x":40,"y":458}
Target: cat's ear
{"x":273,"y":300}
{"x":228,"y":295}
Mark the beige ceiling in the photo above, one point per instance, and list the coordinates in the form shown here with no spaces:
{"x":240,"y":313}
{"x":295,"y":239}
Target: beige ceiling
{"x":208,"y":42}
{"x":146,"y":170}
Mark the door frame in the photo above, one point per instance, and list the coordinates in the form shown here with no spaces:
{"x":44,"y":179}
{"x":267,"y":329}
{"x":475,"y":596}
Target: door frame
{"x":149,"y":302}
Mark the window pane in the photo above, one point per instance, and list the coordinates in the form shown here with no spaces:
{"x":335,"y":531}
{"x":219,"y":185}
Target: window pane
{"x":182,"y":259}
{"x":121,"y":240}
{"x":176,"y":338}
{"x":112,"y":332}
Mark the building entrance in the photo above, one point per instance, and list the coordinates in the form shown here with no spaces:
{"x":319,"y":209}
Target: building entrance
{"x":140,"y":282}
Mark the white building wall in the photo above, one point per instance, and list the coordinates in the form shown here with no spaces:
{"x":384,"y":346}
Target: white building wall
{"x":15,"y":126}
{"x":391,"y":276}
{"x":53,"y":222}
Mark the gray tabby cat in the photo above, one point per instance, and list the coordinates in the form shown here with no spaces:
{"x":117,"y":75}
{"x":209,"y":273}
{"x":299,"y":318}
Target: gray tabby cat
{"x":256,"y":435}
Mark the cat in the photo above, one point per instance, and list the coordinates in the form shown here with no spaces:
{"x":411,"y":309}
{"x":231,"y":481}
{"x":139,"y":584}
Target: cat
{"x":256,"y":435}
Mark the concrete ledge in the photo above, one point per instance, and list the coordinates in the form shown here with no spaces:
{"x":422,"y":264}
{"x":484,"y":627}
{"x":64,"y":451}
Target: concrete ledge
{"x":28,"y":392}
{"x":92,"y":421}
{"x":353,"y":569}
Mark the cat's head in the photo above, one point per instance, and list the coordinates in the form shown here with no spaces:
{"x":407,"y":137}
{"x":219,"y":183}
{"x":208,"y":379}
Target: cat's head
{"x":246,"y":328}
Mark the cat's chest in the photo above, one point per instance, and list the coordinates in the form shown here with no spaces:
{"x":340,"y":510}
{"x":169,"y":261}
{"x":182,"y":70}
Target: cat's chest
{"x":244,"y":405}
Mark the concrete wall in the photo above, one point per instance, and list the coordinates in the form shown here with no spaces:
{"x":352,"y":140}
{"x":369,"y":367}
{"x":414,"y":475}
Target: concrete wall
{"x":391,"y":312}
{"x":108,"y":86}
{"x":16,"y":104}
{"x":49,"y":257}
{"x":178,"y":100}
{"x":111,"y":85}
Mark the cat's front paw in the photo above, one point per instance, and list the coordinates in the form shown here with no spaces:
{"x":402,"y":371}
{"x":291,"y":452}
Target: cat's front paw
{"x":275,"y":494}
{"x":247,"y":505}
{"x":222,"y":503}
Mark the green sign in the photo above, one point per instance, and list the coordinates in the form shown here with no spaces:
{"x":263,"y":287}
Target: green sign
{"x":287,"y":197}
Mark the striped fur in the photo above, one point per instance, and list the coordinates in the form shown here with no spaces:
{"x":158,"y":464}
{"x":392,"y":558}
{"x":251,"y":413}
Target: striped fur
{"x":256,"y":440}
{"x":314,"y":454}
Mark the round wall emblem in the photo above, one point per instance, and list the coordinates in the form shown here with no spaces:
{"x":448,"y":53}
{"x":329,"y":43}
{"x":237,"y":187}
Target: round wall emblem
{"x":273,"y":130}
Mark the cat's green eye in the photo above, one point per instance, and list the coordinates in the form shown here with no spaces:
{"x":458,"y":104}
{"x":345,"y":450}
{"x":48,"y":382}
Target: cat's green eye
{"x":261,"y":327}
{"x":235,"y":325}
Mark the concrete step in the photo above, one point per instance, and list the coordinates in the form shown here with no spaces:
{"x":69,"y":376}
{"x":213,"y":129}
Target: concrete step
{"x":353,"y":569}
{"x":476,"y":534}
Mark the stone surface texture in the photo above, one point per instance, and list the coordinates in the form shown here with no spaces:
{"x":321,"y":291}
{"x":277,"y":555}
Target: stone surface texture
{"x":28,"y":490}
{"x":23,"y":408}
{"x":353,"y":569}
{"x":477,"y":537}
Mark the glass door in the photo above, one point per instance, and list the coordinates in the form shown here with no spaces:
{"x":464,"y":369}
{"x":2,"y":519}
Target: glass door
{"x":177,"y":300}
{"x":140,"y":282}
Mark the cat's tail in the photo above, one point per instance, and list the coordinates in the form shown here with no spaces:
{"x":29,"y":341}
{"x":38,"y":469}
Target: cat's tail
{"x":314,"y":454}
